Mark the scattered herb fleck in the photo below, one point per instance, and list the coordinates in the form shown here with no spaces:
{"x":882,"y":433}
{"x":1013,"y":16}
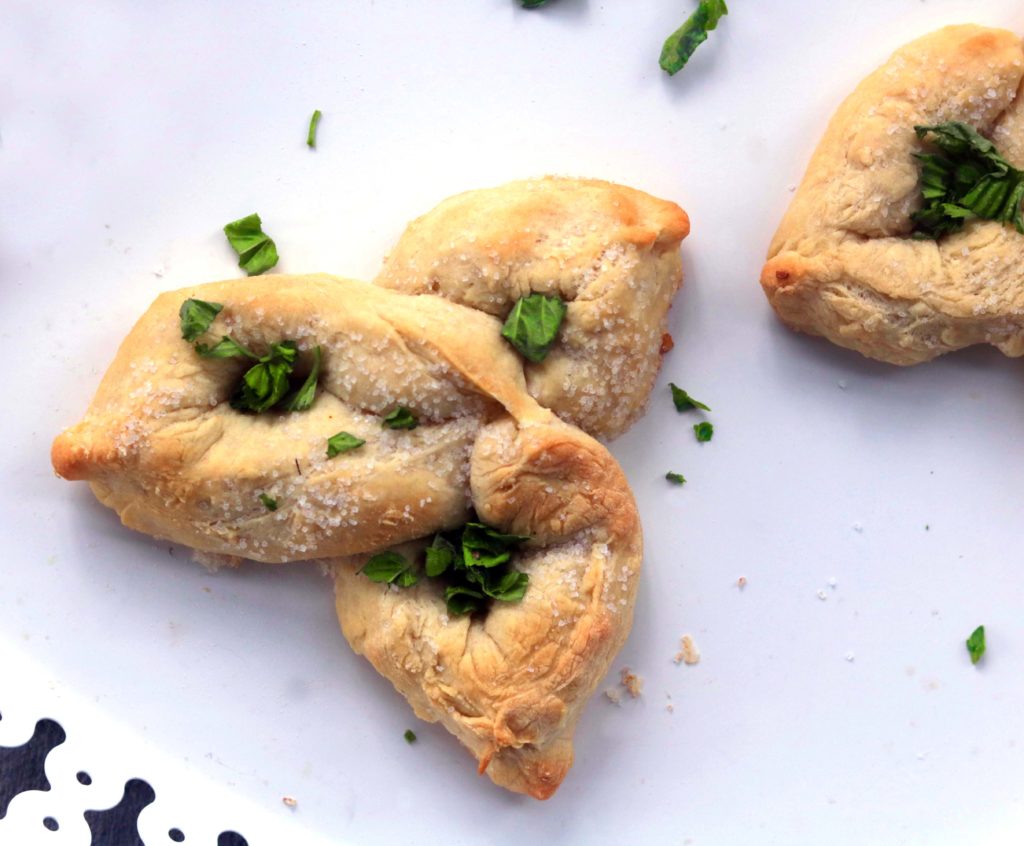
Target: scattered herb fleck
{"x":389,"y":567}
{"x":342,"y":442}
{"x":401,"y":418}
{"x":675,"y":478}
{"x":226,"y":347}
{"x":682,"y":43}
{"x":532,"y":325}
{"x":314,"y":122}
{"x":196,"y":317}
{"x":683,"y":401}
{"x":257,"y":253}
{"x":410,"y":736}
{"x":302,"y":399}
{"x":268,"y":502}
{"x":976,"y":644}
{"x":703,"y":431}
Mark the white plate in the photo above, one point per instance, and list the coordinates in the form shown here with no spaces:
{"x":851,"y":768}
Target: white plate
{"x":131,"y":132}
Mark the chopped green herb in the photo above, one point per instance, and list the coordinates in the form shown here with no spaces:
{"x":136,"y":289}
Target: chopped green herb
{"x":407,"y":578}
{"x":682,"y":43}
{"x":387,"y":567}
{"x":532,"y":325}
{"x":410,"y":735}
{"x":440,"y":556}
{"x":462,"y":600}
{"x":971,"y":180}
{"x":268,"y":502}
{"x":256,"y":252}
{"x":302,"y":399}
{"x":704,"y":431}
{"x":976,"y":644}
{"x":675,"y":478}
{"x":683,"y":401}
{"x":342,"y":442}
{"x":532,"y":4}
{"x":401,"y":418}
{"x":226,"y":347}
{"x":506,"y":586}
{"x":196,"y":317}
{"x":483,"y":546}
{"x":470,"y":565}
{"x":314,"y":122}
{"x":265,"y":384}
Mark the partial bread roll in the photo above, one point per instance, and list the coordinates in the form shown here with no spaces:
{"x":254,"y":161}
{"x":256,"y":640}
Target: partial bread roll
{"x":511,"y":686}
{"x":842,"y":264}
{"x":611,"y":252}
{"x":161,"y":445}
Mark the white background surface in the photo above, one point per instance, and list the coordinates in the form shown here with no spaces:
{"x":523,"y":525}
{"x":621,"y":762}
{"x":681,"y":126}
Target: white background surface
{"x":131,"y":132}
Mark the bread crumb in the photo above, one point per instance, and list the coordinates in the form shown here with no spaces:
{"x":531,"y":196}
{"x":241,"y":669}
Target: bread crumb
{"x":741,"y":582}
{"x":822,"y":595}
{"x":633,"y":683}
{"x":688,"y":653}
{"x":666,"y":343}
{"x":614,"y":695}
{"x":290,"y":801}
{"x":213,"y":561}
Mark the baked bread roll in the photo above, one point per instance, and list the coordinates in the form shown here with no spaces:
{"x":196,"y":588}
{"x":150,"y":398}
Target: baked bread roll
{"x":610,"y":252}
{"x":511,"y":686}
{"x":162,"y":446}
{"x":842,"y":264}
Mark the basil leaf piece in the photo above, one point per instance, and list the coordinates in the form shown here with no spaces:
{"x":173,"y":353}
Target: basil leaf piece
{"x":407,"y":578}
{"x":226,"y":347}
{"x":504,"y":586}
{"x":682,"y":43}
{"x":532,"y":325}
{"x":410,"y":735}
{"x":462,"y":600}
{"x":385,"y":567}
{"x":264,"y":384}
{"x":703,"y":431}
{"x":196,"y":317}
{"x":440,"y":556}
{"x":676,"y":478}
{"x":268,"y":502}
{"x":314,"y":122}
{"x":972,"y":179}
{"x":343,"y":442}
{"x":976,"y":644}
{"x":401,"y":418}
{"x":302,"y":399}
{"x":683,"y":401}
{"x":257,"y":253}
{"x":483,"y":546}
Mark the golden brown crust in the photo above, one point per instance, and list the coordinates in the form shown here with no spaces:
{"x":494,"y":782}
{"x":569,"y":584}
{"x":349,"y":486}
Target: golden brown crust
{"x":611,"y":252}
{"x":511,"y":686}
{"x":841,"y":264}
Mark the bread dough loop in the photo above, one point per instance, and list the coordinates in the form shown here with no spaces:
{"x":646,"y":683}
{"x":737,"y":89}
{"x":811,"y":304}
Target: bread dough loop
{"x":610,"y":252}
